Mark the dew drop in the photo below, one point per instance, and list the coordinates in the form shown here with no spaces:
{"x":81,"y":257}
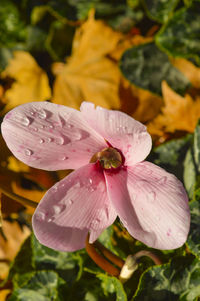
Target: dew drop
{"x":28,"y":152}
{"x":151,"y":195}
{"x":40,"y":216}
{"x":94,"y":224}
{"x":42,"y":114}
{"x":56,"y":209}
{"x":60,"y":141}
{"x":41,"y":126}
{"x":70,"y":202}
{"x":35,"y":129}
{"x":69,"y":126}
{"x":41,"y":141}
{"x":51,"y":126}
{"x":63,"y":158}
{"x":23,"y":120}
{"x":49,"y":139}
{"x":90,"y":181}
{"x":32,"y":113}
{"x":163,"y":180}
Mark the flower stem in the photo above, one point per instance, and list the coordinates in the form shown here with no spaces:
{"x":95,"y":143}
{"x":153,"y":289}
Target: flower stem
{"x":18,"y":198}
{"x":109,"y":255}
{"x":101,"y":261}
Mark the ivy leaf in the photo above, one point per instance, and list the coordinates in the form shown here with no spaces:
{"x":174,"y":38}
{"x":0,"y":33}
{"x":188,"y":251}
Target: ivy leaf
{"x":12,"y":28}
{"x":41,"y":286}
{"x":178,"y":280}
{"x":5,"y":56}
{"x":139,"y":66}
{"x":190,"y":173}
{"x":193,"y":241}
{"x":67,"y":264}
{"x":160,"y":10}
{"x":171,"y":155}
{"x":112,"y":285}
{"x":180,"y":36}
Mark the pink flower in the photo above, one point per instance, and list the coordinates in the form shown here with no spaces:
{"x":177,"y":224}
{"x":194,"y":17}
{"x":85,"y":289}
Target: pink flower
{"x":106,"y":148}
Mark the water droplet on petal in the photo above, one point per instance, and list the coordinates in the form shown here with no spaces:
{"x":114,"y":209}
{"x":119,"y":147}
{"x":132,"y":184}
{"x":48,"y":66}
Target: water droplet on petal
{"x":95,"y":223}
{"x":60,"y":141}
{"x":51,"y":126}
{"x":28,"y":152}
{"x":70,"y":202}
{"x":23,"y":120}
{"x":163,"y":180}
{"x":90,"y":180}
{"x":41,"y":126}
{"x":56,"y":209}
{"x":49,"y":139}
{"x":63,"y":158}
{"x":54,"y":188}
{"x":32,"y":113}
{"x":40,"y":215}
{"x":69,"y":126}
{"x":41,"y":141}
{"x":151,"y":195}
{"x":35,"y":129}
{"x":42,"y":114}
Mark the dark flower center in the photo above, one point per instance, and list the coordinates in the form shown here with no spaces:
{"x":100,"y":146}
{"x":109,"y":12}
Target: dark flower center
{"x":108,"y":158}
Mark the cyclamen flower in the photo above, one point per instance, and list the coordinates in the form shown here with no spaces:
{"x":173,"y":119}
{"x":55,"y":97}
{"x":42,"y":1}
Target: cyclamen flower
{"x":106,"y":149}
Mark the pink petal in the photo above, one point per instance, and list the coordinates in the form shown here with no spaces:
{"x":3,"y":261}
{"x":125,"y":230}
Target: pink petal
{"x":152,"y":204}
{"x":49,"y":136}
{"x":73,"y":207}
{"x":120,"y":130}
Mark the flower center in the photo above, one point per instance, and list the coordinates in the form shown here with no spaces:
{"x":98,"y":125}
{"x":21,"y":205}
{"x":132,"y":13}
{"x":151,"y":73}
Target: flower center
{"x":108,"y":158}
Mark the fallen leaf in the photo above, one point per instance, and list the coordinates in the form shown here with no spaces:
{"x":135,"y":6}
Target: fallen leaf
{"x":178,"y":113}
{"x":189,"y":70}
{"x":89,"y":74}
{"x":31,"y":82}
{"x":11,"y":243}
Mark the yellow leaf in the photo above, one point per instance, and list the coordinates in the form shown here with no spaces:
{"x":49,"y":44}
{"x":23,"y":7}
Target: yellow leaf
{"x":16,"y":165}
{"x":189,"y":70}
{"x":15,"y":236}
{"x":89,"y":74}
{"x":31,"y":82}
{"x":178,"y":113}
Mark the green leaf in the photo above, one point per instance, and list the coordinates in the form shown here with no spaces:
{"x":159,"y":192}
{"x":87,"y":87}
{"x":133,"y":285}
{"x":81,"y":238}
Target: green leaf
{"x":197,"y":146}
{"x":112,"y":285}
{"x":160,"y":10}
{"x":180,"y":37}
{"x":5,"y":56}
{"x":178,"y":280}
{"x":171,"y":155}
{"x":12,"y":29}
{"x":67,"y":264}
{"x":193,"y":240}
{"x":190,"y":173}
{"x":40,"y":286}
{"x":23,"y":261}
{"x":146,"y":67}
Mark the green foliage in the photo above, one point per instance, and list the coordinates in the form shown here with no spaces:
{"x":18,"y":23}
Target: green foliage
{"x":180,"y":36}
{"x":171,"y":155}
{"x":12,"y":31}
{"x":160,"y":10}
{"x":178,"y":280}
{"x":41,"y":286}
{"x":146,"y":67}
{"x":193,"y":241}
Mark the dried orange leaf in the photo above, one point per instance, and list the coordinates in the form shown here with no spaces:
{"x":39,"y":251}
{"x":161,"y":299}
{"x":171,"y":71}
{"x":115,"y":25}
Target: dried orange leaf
{"x":178,"y":113}
{"x":31,"y":82}
{"x":15,"y":235}
{"x":189,"y":70}
{"x":89,"y":74}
